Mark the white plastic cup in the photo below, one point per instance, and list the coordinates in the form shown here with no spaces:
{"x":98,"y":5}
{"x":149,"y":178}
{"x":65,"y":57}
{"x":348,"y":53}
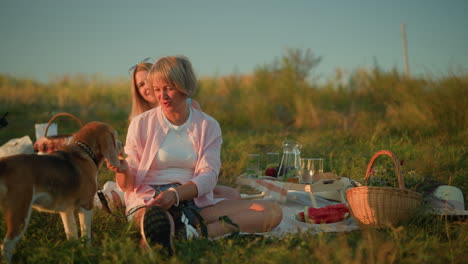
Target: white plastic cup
{"x":41,"y":127}
{"x":306,"y":171}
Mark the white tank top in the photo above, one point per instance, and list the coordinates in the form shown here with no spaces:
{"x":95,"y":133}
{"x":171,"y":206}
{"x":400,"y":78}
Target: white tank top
{"x":176,"y":158}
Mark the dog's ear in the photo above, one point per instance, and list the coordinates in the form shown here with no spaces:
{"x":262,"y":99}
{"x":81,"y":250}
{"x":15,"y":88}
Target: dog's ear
{"x":111,"y":149}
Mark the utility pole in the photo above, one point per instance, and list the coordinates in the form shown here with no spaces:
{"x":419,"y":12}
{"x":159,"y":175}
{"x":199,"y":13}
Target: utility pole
{"x":405,"y":53}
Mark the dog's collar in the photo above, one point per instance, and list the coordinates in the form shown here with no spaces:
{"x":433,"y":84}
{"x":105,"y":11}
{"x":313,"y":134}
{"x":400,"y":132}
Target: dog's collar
{"x":87,"y":149}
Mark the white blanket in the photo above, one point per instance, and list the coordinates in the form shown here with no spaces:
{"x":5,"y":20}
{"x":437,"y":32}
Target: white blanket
{"x":15,"y":146}
{"x":296,"y":202}
{"x":294,"y":197}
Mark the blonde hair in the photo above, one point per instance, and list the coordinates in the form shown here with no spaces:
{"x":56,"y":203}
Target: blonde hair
{"x":139,"y":104}
{"x":176,"y":71}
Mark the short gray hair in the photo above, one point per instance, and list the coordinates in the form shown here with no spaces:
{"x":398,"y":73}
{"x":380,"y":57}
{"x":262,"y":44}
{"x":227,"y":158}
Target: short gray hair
{"x":176,"y":71}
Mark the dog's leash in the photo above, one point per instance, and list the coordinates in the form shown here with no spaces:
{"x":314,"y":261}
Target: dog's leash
{"x":104,"y":202}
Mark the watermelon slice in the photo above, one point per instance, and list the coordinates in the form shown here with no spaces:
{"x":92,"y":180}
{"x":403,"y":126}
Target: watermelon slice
{"x":300,"y":217}
{"x":328,"y":214}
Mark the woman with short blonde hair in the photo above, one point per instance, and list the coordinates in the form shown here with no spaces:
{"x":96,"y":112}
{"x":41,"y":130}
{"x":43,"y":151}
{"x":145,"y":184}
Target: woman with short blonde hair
{"x":172,"y":168}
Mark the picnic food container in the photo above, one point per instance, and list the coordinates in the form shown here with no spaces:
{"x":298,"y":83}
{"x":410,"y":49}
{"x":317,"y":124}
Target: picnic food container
{"x":49,"y":144}
{"x":383,"y":206}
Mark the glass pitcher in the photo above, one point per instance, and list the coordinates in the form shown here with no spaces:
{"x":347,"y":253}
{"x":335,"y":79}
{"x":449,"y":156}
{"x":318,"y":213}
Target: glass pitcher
{"x":290,"y":166}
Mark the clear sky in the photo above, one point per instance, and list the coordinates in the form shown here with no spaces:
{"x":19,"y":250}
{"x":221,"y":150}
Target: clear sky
{"x":40,"y":39}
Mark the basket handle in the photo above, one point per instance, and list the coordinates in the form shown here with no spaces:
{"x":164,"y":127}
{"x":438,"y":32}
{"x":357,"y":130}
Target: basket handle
{"x":396,"y":163}
{"x":62,"y":114}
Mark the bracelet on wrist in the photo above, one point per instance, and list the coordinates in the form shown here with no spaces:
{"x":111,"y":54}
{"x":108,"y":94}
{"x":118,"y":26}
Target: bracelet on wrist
{"x":172,"y":189}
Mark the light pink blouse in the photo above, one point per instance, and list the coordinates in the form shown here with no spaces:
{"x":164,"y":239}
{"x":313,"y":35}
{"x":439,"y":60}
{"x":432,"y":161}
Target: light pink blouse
{"x":146,"y":133}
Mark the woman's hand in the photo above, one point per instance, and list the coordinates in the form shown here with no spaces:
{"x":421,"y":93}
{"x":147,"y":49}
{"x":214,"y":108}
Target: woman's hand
{"x":121,"y":169}
{"x":164,"y":200}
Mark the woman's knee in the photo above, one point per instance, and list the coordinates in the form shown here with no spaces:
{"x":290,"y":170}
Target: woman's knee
{"x":275,"y":213}
{"x":233,"y":194}
{"x":272,"y":211}
{"x":221,"y":191}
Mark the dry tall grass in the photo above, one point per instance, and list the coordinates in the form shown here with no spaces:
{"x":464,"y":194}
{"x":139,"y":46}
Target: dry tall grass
{"x":424,"y":121}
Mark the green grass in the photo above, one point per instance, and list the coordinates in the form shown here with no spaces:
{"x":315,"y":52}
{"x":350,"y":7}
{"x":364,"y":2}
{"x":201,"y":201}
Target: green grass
{"x":431,"y":240}
{"x":423,"y":121}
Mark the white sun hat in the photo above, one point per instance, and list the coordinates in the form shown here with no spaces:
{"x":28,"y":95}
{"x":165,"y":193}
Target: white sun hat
{"x":447,"y":200}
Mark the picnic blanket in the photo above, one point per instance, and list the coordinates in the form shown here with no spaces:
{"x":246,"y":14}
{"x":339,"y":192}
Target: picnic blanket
{"x":294,"y":197}
{"x":16,"y":146}
{"x":295,"y":202}
{"x":331,"y":187}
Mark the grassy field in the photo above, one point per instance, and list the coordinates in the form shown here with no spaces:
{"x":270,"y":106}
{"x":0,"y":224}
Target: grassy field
{"x":424,"y":121}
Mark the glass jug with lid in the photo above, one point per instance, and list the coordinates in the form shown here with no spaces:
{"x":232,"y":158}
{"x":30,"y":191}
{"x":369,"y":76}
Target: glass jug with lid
{"x":290,"y":166}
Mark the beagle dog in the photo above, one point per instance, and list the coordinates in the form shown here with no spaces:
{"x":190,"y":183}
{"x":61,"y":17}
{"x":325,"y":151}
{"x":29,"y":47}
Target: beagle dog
{"x":59,"y":182}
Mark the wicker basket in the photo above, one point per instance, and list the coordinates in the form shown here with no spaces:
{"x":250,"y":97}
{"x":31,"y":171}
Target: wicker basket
{"x":383,"y":206}
{"x":49,"y":144}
